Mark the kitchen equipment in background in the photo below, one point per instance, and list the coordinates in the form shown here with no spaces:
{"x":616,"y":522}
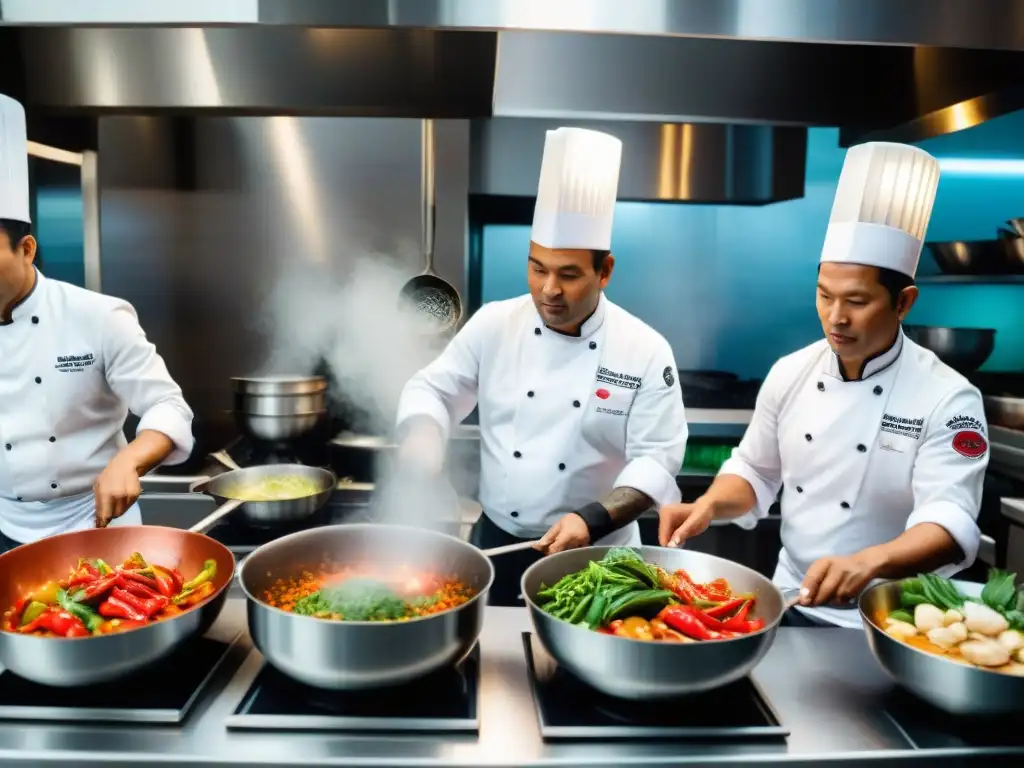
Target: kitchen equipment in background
{"x":445,"y":701}
{"x":1007,"y":234}
{"x":1017,"y":225}
{"x":279,"y":408}
{"x":164,"y":693}
{"x":651,"y":670}
{"x":341,"y":655}
{"x":951,"y":686}
{"x":567,"y":709}
{"x":1004,"y":411}
{"x":717,"y":389}
{"x":970,"y":257}
{"x":86,"y":661}
{"x":1013,"y":255}
{"x":963,"y":349}
{"x":229,"y":489}
{"x":428,"y":293}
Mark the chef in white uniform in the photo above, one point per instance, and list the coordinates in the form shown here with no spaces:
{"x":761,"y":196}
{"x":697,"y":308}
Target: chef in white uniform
{"x":879,"y":448}
{"x":582,"y":426}
{"x":72,"y":364}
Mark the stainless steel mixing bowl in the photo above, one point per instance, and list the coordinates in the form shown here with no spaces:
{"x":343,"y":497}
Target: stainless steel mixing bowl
{"x":279,"y":408}
{"x":352,"y":655}
{"x":88,"y":660}
{"x":949,"y":685}
{"x":633,"y":669}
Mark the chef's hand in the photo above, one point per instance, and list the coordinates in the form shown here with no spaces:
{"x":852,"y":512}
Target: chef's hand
{"x":422,"y":449}
{"x":571,"y":532}
{"x":838,"y":579}
{"x":115,"y":490}
{"x":679,"y":522}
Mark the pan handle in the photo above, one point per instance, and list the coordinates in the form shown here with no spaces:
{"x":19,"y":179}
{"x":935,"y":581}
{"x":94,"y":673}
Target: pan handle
{"x":222,"y":511}
{"x":199,"y":485}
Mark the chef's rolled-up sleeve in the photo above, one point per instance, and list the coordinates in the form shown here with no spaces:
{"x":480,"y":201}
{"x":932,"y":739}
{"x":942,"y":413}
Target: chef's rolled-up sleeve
{"x":656,"y":432}
{"x":446,"y":389}
{"x":949,"y":472}
{"x":139,"y":377}
{"x":757,"y":459}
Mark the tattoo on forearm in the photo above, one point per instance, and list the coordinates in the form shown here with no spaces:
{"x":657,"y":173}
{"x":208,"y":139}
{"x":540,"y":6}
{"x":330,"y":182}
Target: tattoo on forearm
{"x":627,"y":504}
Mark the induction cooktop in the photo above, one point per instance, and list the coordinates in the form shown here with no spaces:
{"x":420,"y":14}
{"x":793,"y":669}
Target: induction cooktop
{"x":926,"y":727}
{"x":570,"y":710}
{"x":445,"y":701}
{"x":164,"y":693}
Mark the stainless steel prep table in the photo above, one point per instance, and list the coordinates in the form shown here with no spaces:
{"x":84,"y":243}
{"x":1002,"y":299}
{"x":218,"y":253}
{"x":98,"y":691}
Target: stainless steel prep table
{"x":823,"y":684}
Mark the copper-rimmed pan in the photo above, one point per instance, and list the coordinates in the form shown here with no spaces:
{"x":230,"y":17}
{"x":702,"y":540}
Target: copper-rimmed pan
{"x":101,"y":658}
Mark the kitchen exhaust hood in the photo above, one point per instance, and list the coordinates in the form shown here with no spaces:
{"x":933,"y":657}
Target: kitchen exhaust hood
{"x":661,"y":162}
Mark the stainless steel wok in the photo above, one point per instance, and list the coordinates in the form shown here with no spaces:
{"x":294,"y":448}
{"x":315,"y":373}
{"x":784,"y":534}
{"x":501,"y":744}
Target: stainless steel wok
{"x":949,"y":685}
{"x":229,"y":487}
{"x":962,"y":349}
{"x":88,"y":660}
{"x":353,"y":655}
{"x":634,"y":669}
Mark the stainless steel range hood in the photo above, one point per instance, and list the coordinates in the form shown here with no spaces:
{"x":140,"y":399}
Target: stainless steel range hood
{"x":661,"y":162}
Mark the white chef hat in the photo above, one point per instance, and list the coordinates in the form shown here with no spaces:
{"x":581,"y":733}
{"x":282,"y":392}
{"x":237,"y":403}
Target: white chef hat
{"x":579,"y":180}
{"x":882,"y":207}
{"x":14,"y":195}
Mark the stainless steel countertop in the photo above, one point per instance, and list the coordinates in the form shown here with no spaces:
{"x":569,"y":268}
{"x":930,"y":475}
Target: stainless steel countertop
{"x":823,"y":683}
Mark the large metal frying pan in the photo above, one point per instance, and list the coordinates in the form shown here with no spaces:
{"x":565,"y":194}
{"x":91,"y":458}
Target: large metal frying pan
{"x":638,"y":670}
{"x":87,"y":660}
{"x":228,"y":489}
{"x":353,"y":655}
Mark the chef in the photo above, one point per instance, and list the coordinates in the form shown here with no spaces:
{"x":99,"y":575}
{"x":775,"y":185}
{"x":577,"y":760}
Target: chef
{"x":879,"y":448}
{"x":72,"y":364}
{"x":582,"y":426}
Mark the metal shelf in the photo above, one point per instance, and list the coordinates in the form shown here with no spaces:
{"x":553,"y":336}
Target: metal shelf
{"x":972,"y":279}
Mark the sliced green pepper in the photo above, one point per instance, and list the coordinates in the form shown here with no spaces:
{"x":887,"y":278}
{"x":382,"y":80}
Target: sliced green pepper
{"x":637,"y":601}
{"x":208,"y":572}
{"x":596,"y":612}
{"x":901,"y":615}
{"x":580,"y":610}
{"x":84,"y":613}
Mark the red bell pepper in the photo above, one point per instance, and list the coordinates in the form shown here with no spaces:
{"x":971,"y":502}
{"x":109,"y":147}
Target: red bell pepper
{"x":93,"y":590}
{"x":135,"y":587}
{"x":738,"y":620}
{"x":138,"y":578}
{"x":114,"y":608}
{"x":726,"y":608}
{"x":165,"y":582}
{"x":147,"y":607}
{"x":178,"y":578}
{"x":57,"y":621}
{"x":706,"y":619}
{"x":84,"y":574}
{"x":134,"y":562}
{"x":682,"y":620}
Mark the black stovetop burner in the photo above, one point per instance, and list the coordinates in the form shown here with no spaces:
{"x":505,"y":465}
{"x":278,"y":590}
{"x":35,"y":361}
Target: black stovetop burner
{"x":568,"y":709}
{"x":443,"y":701}
{"x":926,"y":727}
{"x":164,"y":693}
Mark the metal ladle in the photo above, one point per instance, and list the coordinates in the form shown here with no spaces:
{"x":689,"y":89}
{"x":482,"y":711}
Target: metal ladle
{"x":428,"y":293}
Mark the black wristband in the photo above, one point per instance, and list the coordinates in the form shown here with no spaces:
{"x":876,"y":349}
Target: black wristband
{"x":598,"y":521}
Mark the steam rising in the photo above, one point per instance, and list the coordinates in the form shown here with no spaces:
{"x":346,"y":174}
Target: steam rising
{"x":349,"y":318}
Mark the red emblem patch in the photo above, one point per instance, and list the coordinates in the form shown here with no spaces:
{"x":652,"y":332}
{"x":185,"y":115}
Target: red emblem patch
{"x":970,"y":444}
{"x":604,"y":394}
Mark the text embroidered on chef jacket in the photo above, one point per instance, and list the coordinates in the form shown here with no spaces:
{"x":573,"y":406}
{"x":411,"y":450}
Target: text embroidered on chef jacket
{"x":563,"y":419}
{"x":75,"y":363}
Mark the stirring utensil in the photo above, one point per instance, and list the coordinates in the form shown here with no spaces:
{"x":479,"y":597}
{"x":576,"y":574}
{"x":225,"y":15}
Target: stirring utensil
{"x":494,"y":551}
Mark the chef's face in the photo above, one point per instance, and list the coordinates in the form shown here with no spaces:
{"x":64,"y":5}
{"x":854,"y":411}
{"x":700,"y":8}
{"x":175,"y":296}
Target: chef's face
{"x":16,"y":257}
{"x":859,"y":314}
{"x":566,"y":284}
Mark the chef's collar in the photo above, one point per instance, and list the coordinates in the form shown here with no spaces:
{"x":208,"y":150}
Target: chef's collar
{"x":590,"y":325}
{"x":871,"y":366}
{"x":29,"y":303}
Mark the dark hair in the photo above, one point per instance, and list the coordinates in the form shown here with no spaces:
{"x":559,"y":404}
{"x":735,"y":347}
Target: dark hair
{"x":15,"y":230}
{"x":599,"y":257}
{"x":894,"y":282}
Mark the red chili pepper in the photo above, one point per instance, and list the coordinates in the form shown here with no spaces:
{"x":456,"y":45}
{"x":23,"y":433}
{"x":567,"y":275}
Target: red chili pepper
{"x":165,"y":582}
{"x":113,"y":608}
{"x":706,"y":619}
{"x":737,"y":621}
{"x":140,"y":579}
{"x":682,"y":620}
{"x":136,"y":588}
{"x":84,"y":574}
{"x":57,"y":621}
{"x":730,"y":606}
{"x":179,"y":580}
{"x":77,"y":630}
{"x":94,"y":590}
{"x":147,"y":607}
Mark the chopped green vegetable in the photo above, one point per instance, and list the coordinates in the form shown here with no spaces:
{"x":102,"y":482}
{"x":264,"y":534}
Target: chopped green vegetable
{"x":355,"y":600}
{"x":901,"y":615}
{"x":1000,"y":592}
{"x":87,"y":615}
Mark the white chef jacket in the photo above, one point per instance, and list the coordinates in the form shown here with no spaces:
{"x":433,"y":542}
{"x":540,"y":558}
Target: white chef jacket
{"x":72,"y":364}
{"x":859,"y":462}
{"x":563,"y":419}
